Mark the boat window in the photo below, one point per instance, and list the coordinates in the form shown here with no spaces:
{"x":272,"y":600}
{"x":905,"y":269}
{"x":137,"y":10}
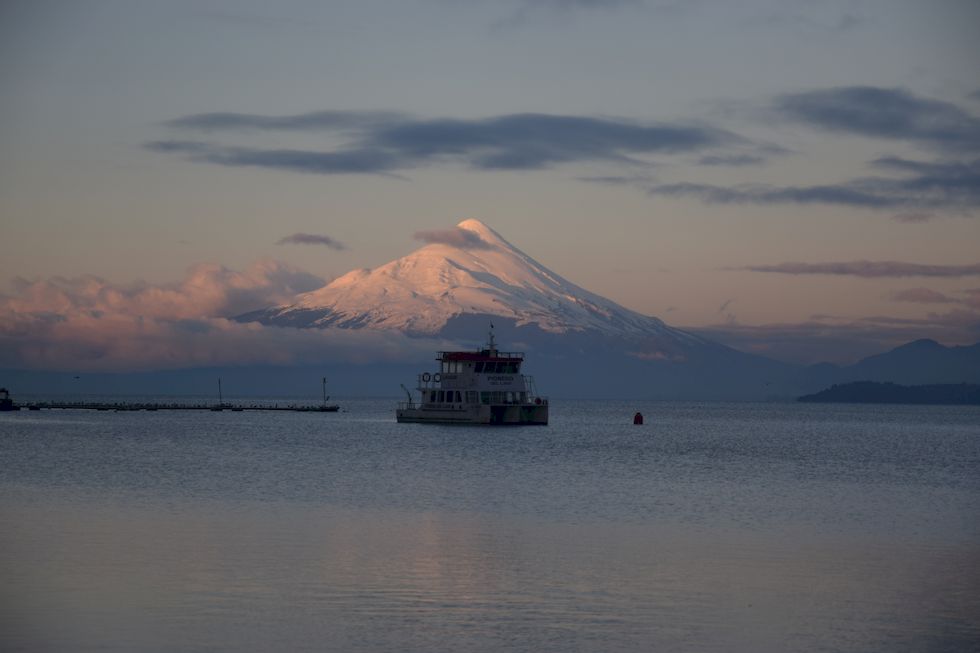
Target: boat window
{"x":432,"y":396}
{"x":484,"y":397}
{"x":459,"y":397}
{"x":479,"y":367}
{"x":471,"y":396}
{"x":442,"y":396}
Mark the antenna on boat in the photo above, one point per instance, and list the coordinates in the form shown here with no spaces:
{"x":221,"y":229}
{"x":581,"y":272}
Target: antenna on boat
{"x":492,"y":344}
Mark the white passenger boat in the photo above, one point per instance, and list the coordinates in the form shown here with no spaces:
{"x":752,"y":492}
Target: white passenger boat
{"x":481,"y":387}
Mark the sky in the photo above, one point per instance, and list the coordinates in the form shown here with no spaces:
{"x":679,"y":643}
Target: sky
{"x":798,"y":179}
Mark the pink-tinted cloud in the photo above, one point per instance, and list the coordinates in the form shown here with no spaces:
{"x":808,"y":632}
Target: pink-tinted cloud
{"x":87,"y":323}
{"x":207,"y":290}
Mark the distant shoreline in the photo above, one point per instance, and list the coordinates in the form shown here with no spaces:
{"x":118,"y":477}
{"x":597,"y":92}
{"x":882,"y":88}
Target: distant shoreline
{"x":870,"y":392}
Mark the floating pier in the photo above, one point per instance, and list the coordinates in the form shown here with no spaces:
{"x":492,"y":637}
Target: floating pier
{"x":7,"y":404}
{"x":152,"y":406}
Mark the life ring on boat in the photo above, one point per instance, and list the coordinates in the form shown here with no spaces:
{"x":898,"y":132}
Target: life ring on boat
{"x":437,"y":377}
{"x":425,"y":377}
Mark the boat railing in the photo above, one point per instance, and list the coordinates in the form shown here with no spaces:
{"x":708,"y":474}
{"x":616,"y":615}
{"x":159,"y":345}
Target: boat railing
{"x":413,"y":405}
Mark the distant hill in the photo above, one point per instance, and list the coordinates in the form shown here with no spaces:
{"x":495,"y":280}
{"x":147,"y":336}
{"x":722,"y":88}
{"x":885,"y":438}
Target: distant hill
{"x":870,"y":392}
{"x":921,"y":362}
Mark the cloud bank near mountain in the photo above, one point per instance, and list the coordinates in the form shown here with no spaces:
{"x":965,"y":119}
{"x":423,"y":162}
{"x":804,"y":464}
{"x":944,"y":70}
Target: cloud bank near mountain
{"x":89,"y":324}
{"x":457,"y":237}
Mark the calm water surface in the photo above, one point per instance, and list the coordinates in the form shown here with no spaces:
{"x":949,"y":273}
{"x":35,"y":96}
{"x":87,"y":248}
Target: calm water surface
{"x":714,"y":527}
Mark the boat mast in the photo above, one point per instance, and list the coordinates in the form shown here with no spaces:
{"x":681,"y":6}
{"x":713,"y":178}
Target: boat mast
{"x":411,"y":403}
{"x":325,"y":392}
{"x":492,"y":344}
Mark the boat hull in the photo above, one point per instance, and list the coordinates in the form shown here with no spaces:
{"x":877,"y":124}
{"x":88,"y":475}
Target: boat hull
{"x":492,"y":414}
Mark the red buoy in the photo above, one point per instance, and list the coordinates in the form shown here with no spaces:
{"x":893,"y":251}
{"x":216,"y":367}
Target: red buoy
{"x":638,"y":418}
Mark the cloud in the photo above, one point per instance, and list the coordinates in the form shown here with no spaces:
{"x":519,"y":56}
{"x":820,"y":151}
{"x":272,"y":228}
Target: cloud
{"x":565,"y":5}
{"x":845,"y":194}
{"x":387,"y":143}
{"x":463,"y":238}
{"x":207,"y":290}
{"x":948,"y":186}
{"x":972,"y":298}
{"x":314,"y":121}
{"x":526,"y":11}
{"x":363,"y":161}
{"x":731,"y":160}
{"x":637,"y":181}
{"x":928,"y":296}
{"x":869,"y":269}
{"x":891,"y":113}
{"x":87,"y":323}
{"x":921,"y":296}
{"x":821,"y":21}
{"x":383,"y":142}
{"x":311,"y":239}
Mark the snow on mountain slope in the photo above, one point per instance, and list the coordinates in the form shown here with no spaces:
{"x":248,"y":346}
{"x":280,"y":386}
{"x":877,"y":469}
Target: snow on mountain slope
{"x":484,"y":274}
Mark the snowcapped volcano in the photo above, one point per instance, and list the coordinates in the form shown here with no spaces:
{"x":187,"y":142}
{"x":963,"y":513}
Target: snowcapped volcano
{"x":474,"y":271}
{"x":583,"y":344}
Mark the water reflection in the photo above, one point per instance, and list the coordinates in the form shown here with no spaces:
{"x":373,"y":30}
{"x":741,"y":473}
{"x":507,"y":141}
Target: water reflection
{"x":112,"y":575}
{"x":711,"y":528}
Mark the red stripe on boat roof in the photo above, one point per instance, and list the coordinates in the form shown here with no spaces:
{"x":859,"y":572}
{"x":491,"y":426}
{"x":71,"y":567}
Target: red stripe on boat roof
{"x":501,"y":357}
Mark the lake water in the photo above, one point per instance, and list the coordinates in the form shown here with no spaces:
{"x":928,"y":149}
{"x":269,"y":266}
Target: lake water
{"x":714,"y":527}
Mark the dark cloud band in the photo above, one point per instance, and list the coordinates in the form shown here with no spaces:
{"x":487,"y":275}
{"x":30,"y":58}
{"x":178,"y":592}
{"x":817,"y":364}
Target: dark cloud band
{"x":884,"y":113}
{"x":920,"y":185}
{"x":311,"y":239}
{"x":870,"y":269}
{"x":382,"y":142}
